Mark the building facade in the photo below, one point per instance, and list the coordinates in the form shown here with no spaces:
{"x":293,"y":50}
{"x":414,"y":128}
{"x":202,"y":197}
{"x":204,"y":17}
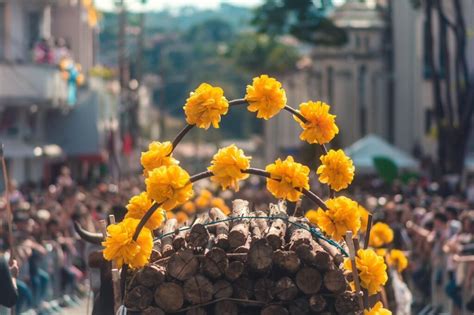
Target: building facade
{"x":36,"y":121}
{"x":353,"y":79}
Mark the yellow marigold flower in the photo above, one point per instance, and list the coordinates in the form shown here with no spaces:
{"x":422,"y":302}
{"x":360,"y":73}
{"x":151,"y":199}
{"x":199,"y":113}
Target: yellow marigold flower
{"x":120,"y":247}
{"x":205,"y":106}
{"x":158,"y":154}
{"x":265,"y":96}
{"x":169,"y":186}
{"x":378,"y":309}
{"x":364,"y":218}
{"x":287,"y":179}
{"x":170,"y":215}
{"x":137,"y":207}
{"x":227,"y":166}
{"x":204,"y":199}
{"x":312,"y":216}
{"x":189,"y":207}
{"x":380,"y":234}
{"x":372,"y":270}
{"x":220,"y":203}
{"x":381,"y":251}
{"x":397,"y":259}
{"x":181,"y":216}
{"x":320,"y":126}
{"x":336,"y":170}
{"x":342,"y":216}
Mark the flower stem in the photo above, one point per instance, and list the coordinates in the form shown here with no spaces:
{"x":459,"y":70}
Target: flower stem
{"x":238,"y":101}
{"x":296,"y":113}
{"x":145,"y":219}
{"x":180,"y":136}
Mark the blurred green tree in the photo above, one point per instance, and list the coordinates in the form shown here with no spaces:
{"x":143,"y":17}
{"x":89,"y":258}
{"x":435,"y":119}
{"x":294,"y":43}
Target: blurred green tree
{"x":304,"y":19}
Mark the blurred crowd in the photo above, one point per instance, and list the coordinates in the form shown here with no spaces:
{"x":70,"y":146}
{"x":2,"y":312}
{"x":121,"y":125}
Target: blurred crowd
{"x":51,"y":51}
{"x":52,"y":260}
{"x":432,"y":223}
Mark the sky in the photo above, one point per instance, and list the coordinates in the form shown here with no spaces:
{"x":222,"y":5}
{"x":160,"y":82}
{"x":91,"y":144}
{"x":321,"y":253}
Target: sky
{"x":108,"y":5}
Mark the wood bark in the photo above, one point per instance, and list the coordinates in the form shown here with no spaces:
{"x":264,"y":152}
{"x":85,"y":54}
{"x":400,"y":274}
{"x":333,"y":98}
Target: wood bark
{"x":240,"y":228}
{"x":167,"y":242}
{"x":276,"y":232}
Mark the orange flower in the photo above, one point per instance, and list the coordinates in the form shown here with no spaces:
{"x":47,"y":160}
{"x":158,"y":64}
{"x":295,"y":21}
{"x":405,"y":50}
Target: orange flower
{"x":181,"y":216}
{"x":220,"y":203}
{"x":287,"y":179}
{"x":227,"y":166}
{"x":158,"y":154}
{"x":139,"y":205}
{"x":380,"y":234}
{"x":205,"y":106}
{"x":372,"y":270}
{"x":336,"y":170}
{"x":320,"y":126}
{"x":265,"y":96}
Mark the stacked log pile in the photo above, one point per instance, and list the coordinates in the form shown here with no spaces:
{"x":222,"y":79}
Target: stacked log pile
{"x":243,"y":266}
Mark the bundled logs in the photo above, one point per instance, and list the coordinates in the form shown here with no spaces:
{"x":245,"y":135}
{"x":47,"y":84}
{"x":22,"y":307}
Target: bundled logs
{"x":242,"y":266}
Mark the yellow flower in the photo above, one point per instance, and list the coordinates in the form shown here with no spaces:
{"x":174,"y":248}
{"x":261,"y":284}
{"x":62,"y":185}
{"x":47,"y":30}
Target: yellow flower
{"x":381,"y":251}
{"x":364,"y":218}
{"x":342,"y":216}
{"x":170,"y":215}
{"x":227,"y":166}
{"x":372,"y":270}
{"x":158,"y":154}
{"x":169,"y":186}
{"x":336,"y":170}
{"x":181,"y":216}
{"x":320,"y":126}
{"x":220,"y":203}
{"x":137,"y":207}
{"x":204,"y":199}
{"x":265,"y":96}
{"x":120,"y":247}
{"x":380,"y":234}
{"x":287,"y":179}
{"x":189,"y":207}
{"x":378,"y":309}
{"x":312,"y":215}
{"x":205,"y":106}
{"x":397,"y":259}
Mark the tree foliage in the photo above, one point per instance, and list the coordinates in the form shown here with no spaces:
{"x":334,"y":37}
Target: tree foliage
{"x":303,"y":19}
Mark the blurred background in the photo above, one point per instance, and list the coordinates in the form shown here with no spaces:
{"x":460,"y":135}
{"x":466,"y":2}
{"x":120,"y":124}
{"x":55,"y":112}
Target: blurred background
{"x":85,"y":86}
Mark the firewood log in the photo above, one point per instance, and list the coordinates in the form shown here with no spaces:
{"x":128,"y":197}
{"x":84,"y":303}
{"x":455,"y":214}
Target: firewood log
{"x":222,"y":289}
{"x":287,"y":260}
{"x":196,"y":311}
{"x":335,"y":281}
{"x":151,"y":275}
{"x":333,"y":251}
{"x":226,"y":308}
{"x":347,"y":303}
{"x":222,"y":228}
{"x":276,"y":232}
{"x":179,"y":240}
{"x":139,"y":298}
{"x":274,"y":309}
{"x":198,"y":290}
{"x":297,"y":235}
{"x":317,"y":303}
{"x":300,"y":306}
{"x":240,"y":228}
{"x":285,"y":289}
{"x":167,"y":242}
{"x":169,"y":296}
{"x":198,"y":236}
{"x":183,"y":265}
{"x":244,"y":248}
{"x":258,"y":226}
{"x":243,"y":288}
{"x":264,"y":290}
{"x":215,"y":263}
{"x":308,"y":280}
{"x":235,"y":270}
{"x":153,"y":311}
{"x":155,"y":254}
{"x":260,"y":256}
